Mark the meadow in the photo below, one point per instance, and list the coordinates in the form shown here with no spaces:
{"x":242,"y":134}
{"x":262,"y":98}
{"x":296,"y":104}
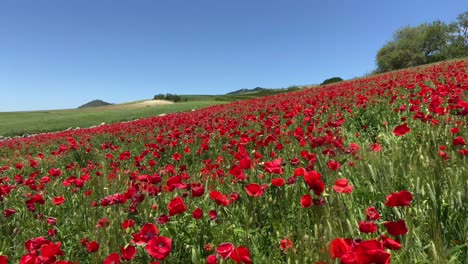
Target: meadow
{"x":33,"y":122}
{"x":372,"y":170}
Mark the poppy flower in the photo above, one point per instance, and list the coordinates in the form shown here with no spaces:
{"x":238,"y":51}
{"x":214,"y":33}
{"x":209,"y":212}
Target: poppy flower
{"x":211,"y":259}
{"x":277,"y":182}
{"x":241,"y":255}
{"x":162,"y":219}
{"x":213,"y":214}
{"x":389,"y":243}
{"x":128,"y":223}
{"x":254,"y":189}
{"x":197,"y":190}
{"x":147,"y":232}
{"x":371,"y":251}
{"x":401,"y":130}
{"x":113,"y":258}
{"x":9,"y":212}
{"x":459,"y":141}
{"x":51,"y":250}
{"x":92,"y":246}
{"x":219,"y":198}
{"x":372,"y":213}
{"x":376,"y":147}
{"x":313,"y":179}
{"x":128,"y":253}
{"x":103,"y":222}
{"x":333,"y":165}
{"x":367,"y":227}
{"x":397,"y":228}
{"x":159,"y":247}
{"x":197,"y":213}
{"x":286,"y":244}
{"x":339,"y":246}
{"x":401,"y":198}
{"x":274,"y":166}
{"x":306,"y":201}
{"x":58,"y":200}
{"x":342,"y":186}
{"x":176,"y":206}
{"x":245,"y":163}
{"x":225,"y":250}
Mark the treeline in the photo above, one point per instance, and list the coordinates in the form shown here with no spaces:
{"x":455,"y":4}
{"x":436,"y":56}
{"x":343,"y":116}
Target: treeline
{"x":426,"y":43}
{"x":169,"y":97}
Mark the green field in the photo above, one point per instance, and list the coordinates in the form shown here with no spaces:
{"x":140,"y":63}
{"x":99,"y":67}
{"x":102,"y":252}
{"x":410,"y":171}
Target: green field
{"x":20,"y":123}
{"x":31,"y":122}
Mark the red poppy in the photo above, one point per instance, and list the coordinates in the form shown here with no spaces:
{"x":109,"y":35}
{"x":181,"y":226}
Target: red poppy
{"x":459,"y":141}
{"x":397,"y":228}
{"x":103,"y":222}
{"x":342,"y":186}
{"x":92,"y":246}
{"x":113,"y":258}
{"x":278,"y":182}
{"x":197,"y":213}
{"x":286,"y":244}
{"x":225,"y":250}
{"x":371,"y":251}
{"x":401,"y":130}
{"x":333,"y":165}
{"x":128,"y":252}
{"x":367,"y":227}
{"x":306,"y":201}
{"x":254,"y":189}
{"x":176,"y":206}
{"x":376,"y":147}
{"x":372,"y":213}
{"x":274,"y":166}
{"x":159,"y":247}
{"x":213,"y":214}
{"x":51,"y":250}
{"x":401,"y":198}
{"x":389,"y":243}
{"x":147,"y":232}
{"x":128,"y":223}
{"x":9,"y":212}
{"x":339,"y":246}
{"x":314,"y":180}
{"x":58,"y":200}
{"x":241,"y":255}
{"x":197,"y":190}
{"x":211,"y":259}
{"x":245,"y":163}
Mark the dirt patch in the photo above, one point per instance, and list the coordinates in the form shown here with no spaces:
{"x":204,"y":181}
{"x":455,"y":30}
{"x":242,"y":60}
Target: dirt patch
{"x":152,"y":102}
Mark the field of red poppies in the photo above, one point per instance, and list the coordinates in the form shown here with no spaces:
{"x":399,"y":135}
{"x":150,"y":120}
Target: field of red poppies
{"x":372,"y":170}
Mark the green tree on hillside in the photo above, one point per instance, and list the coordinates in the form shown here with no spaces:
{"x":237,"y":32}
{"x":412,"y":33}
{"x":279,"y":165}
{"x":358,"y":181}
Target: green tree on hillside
{"x":426,"y":43}
{"x":331,"y":80}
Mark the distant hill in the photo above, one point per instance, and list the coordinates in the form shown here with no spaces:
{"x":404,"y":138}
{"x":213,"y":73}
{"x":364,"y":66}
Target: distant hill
{"x":254,"y":90}
{"x":95,"y":103}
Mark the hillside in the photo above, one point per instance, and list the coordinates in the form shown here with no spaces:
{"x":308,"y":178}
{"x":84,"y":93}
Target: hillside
{"x":371,"y":170}
{"x":95,"y":103}
{"x":244,"y":91}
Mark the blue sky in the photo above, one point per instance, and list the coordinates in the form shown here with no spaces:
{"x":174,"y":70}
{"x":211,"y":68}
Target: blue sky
{"x":58,"y":54}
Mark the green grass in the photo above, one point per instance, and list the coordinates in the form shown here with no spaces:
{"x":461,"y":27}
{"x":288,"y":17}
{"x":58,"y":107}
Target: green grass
{"x":20,"y":123}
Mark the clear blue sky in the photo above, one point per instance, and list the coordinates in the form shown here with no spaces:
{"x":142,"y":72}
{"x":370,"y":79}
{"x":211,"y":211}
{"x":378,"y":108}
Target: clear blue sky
{"x":62,"y":53}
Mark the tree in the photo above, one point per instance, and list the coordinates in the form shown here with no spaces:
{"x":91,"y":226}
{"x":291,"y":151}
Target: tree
{"x":331,"y":80}
{"x":426,"y":43}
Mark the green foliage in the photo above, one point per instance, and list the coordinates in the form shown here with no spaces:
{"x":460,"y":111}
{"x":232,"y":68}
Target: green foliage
{"x":426,"y":43}
{"x":332,"y":80}
{"x":169,"y":97}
